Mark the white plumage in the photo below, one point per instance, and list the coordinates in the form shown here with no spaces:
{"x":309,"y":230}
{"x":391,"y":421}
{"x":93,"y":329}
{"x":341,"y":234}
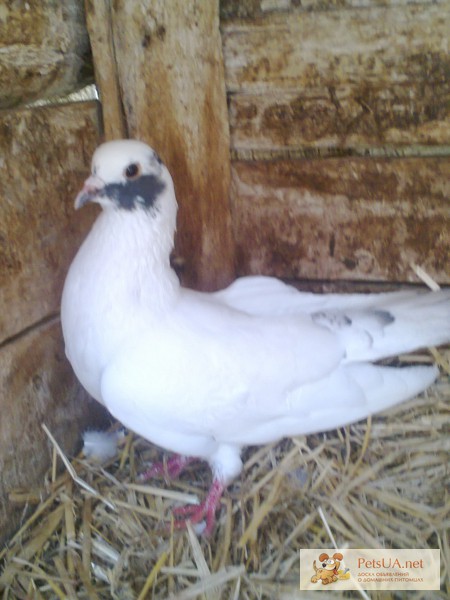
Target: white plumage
{"x":100,"y":446}
{"x":205,"y":374}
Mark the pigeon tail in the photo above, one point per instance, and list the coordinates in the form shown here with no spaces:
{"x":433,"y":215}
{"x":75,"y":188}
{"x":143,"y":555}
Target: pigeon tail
{"x":392,"y":327}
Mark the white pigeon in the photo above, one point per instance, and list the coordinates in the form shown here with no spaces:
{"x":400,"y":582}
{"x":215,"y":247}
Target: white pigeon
{"x":204,"y":374}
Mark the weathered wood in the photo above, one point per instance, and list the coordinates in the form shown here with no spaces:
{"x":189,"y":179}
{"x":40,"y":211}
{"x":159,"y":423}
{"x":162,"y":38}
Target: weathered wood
{"x":363,"y":77}
{"x":44,"y":49}
{"x":376,"y":46}
{"x":232,"y":10}
{"x":37,"y":386}
{"x":170,"y":67}
{"x":45,"y":155}
{"x":343,"y":218}
{"x":99,"y":24}
{"x":400,"y":116}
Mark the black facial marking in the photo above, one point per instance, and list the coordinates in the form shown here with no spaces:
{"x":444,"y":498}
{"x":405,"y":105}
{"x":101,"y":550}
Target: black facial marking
{"x":140,"y":192}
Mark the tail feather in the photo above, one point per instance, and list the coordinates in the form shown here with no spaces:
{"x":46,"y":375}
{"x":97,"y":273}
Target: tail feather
{"x":361,"y":390}
{"x":391,"y":328}
{"x":350,"y":394}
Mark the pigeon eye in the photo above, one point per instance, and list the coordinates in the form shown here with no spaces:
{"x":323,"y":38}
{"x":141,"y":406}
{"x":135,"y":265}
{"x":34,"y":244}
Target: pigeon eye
{"x":133,"y":171}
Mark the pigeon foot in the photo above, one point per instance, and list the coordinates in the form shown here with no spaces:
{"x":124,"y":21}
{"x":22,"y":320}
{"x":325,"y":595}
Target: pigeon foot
{"x":170,"y":469}
{"x":195,"y":513}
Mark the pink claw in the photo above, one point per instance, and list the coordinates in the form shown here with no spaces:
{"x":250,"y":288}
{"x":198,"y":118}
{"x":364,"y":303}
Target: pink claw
{"x":194,"y":513}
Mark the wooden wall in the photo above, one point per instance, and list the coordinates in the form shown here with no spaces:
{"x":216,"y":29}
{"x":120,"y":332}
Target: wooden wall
{"x":308,"y":139}
{"x":340,"y":131}
{"x":44,"y":156}
{"x":44,"y":50}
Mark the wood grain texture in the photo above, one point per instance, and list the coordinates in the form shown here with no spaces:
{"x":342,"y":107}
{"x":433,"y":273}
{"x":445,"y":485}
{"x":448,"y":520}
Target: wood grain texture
{"x":251,"y":10}
{"x":365,"y":219}
{"x":398,"y":117}
{"x":37,"y":386}
{"x":99,"y":25}
{"x":44,"y":50}
{"x":365,"y":77}
{"x":171,"y":74}
{"x":45,"y":156}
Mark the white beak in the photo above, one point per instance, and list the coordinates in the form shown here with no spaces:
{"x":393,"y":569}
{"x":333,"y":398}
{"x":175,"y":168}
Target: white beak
{"x":91,"y":188}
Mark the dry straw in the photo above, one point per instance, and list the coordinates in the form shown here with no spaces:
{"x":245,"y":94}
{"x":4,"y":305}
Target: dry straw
{"x":97,"y":533}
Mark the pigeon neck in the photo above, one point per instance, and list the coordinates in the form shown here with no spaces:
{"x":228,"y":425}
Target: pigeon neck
{"x":138,"y":248}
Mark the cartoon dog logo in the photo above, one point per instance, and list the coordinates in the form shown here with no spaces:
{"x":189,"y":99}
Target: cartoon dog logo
{"x":329,"y":571}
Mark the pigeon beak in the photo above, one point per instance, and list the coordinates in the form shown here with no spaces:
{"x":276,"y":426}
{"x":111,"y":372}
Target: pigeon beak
{"x":91,"y":188}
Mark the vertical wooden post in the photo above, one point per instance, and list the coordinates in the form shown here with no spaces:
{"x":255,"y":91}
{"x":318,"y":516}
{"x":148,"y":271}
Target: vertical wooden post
{"x":168,"y":55}
{"x":99,"y":25}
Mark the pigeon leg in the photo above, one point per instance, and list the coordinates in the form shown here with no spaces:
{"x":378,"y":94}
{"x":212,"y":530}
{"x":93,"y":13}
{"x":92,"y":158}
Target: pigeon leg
{"x":171,"y":469}
{"x":197,"y":512}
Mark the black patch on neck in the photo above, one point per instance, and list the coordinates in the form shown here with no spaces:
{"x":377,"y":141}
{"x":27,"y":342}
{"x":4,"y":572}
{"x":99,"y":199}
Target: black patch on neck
{"x":140,"y":192}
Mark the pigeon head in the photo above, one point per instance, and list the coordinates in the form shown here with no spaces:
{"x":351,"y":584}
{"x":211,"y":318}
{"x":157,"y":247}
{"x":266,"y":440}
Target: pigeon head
{"x":127,"y":175}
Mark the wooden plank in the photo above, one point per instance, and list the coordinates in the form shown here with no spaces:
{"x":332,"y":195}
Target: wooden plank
{"x":99,"y":24}
{"x":353,"y":219}
{"x":45,"y":155}
{"x":44,"y":48}
{"x":365,"y":77}
{"x":230,"y":10}
{"x":170,"y":66}
{"x":37,"y":386}
{"x":376,"y":46}
{"x":399,"y":116}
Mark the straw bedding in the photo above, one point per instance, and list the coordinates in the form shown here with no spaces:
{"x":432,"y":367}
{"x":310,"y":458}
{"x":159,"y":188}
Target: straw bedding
{"x":96,"y":532}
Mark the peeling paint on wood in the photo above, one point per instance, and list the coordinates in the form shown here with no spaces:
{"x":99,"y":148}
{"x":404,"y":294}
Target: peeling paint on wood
{"x":45,"y":155}
{"x":37,"y":386}
{"x":351,"y":219}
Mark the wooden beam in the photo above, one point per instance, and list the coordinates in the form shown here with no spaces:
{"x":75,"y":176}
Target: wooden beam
{"x":394,"y":119}
{"x":347,"y":219}
{"x":99,"y":25}
{"x":170,"y":68}
{"x":253,"y":10}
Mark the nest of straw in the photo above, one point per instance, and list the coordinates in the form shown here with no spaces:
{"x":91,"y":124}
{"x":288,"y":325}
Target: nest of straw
{"x":95,"y":533}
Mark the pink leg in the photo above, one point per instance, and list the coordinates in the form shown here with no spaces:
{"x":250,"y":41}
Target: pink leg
{"x":171,"y":469}
{"x":206,"y":510}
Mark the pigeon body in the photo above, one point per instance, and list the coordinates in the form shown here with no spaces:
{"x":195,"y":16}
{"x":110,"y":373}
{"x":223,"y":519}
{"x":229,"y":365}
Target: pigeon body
{"x":204,"y":374}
